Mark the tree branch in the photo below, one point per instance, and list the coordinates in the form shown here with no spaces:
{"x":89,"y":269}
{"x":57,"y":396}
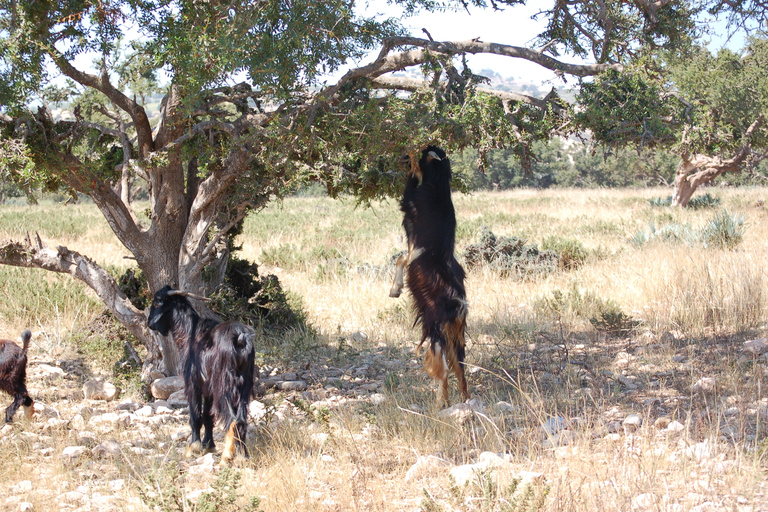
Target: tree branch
{"x":102,"y":84}
{"x":35,"y":254}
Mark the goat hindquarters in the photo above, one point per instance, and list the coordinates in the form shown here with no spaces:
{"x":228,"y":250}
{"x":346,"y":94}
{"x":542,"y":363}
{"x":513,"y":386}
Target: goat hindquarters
{"x":13,"y":375}
{"x":234,"y":377}
{"x":441,"y":306}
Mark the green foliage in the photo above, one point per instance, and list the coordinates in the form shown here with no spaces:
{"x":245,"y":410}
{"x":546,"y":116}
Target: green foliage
{"x":224,"y":495}
{"x":510,"y":256}
{"x":672,"y":232}
{"x":247,"y":297}
{"x":613,"y":320}
{"x":724,"y":231}
{"x":572,"y":252}
{"x":697,"y":203}
{"x":625,"y":107}
{"x":162,"y":490}
{"x":604,"y":314}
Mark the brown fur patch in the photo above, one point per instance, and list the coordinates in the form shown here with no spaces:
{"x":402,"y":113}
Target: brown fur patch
{"x":229,"y":443}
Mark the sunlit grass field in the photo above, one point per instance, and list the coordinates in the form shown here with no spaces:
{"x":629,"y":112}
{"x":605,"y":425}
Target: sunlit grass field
{"x":629,"y":328}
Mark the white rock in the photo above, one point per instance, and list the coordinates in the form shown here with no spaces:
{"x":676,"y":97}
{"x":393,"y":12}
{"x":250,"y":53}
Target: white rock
{"x":178,"y":399}
{"x":632,"y":422}
{"x":107,"y":449}
{"x":553,"y":425}
{"x":424,"y":465}
{"x":704,"y":385}
{"x":163,"y":388}
{"x":378,"y":398}
{"x":461,"y":413}
{"x":257,"y":410}
{"x":506,"y":407}
{"x":71,"y":454}
{"x":292,"y":385}
{"x":645,"y":501}
{"x":675,"y":426}
{"x":144,"y":412}
{"x":26,"y":506}
{"x":99,"y":390}
{"x":359,"y":337}
{"x":22,"y":487}
{"x":55,"y":424}
{"x":757,"y":347}
{"x":53,"y":372}
{"x":44,"y":411}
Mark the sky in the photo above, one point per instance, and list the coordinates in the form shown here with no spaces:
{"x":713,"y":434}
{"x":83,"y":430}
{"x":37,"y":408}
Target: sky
{"x":513,"y":26}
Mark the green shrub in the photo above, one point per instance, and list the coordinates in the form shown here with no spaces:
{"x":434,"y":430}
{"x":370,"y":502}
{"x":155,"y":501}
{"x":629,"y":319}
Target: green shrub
{"x":572,"y":252}
{"x":725,"y":231}
{"x":510,"y":256}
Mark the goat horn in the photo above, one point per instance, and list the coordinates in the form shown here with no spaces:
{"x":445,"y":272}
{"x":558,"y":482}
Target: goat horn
{"x":434,"y":155}
{"x":188,"y":294}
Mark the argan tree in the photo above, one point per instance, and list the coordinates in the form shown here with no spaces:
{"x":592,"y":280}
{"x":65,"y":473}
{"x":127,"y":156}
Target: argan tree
{"x":245,"y":117}
{"x":708,"y":109}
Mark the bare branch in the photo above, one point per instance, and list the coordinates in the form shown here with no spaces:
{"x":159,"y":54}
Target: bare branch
{"x":36,"y":254}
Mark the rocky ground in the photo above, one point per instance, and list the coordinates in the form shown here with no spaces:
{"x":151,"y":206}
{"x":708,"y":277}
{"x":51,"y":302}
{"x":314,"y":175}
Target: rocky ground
{"x":88,"y":448}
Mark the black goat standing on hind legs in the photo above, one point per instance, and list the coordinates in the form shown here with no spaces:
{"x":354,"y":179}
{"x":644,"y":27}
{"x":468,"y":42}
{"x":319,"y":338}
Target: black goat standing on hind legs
{"x":218,"y":363}
{"x":13,"y":375}
{"x":435,"y":277}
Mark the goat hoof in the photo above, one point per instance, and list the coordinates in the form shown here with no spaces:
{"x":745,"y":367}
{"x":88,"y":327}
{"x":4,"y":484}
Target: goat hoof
{"x":394,"y":293}
{"x":194,"y":449}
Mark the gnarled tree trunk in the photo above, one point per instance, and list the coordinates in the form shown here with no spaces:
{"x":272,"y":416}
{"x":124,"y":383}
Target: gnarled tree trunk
{"x":696,"y":170}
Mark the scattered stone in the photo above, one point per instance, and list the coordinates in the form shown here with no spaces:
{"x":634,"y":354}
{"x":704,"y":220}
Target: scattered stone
{"x":463,"y":412}
{"x":127,"y":406}
{"x":163,"y":388}
{"x":257,"y":410}
{"x":144,"y":412}
{"x":44,"y":411}
{"x":632,"y":422}
{"x":757,"y":347}
{"x":292,"y":385}
{"x":99,"y":390}
{"x":506,"y":407}
{"x":675,"y":426}
{"x":562,"y":438}
{"x":202,"y":466}
{"x":51,"y":372}
{"x":178,"y":399}
{"x":359,"y":337}
{"x":424,"y":465}
{"x":378,"y":398}
{"x":553,"y":426}
{"x":55,"y":424}
{"x":22,"y":487}
{"x":107,"y":449}
{"x":647,"y":501}
{"x":71,"y":454}
{"x":662,"y":423}
{"x":704,"y":385}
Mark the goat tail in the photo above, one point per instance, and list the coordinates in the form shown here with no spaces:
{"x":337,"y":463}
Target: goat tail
{"x":26,"y":336}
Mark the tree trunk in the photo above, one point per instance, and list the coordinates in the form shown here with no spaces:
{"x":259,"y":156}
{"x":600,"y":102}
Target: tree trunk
{"x":695,"y":170}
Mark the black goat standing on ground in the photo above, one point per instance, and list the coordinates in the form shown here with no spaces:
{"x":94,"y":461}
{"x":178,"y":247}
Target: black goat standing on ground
{"x":435,"y":277}
{"x":218,"y":364}
{"x":13,"y":375}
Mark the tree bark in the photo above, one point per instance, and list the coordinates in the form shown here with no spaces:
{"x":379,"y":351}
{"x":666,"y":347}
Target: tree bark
{"x":697,"y":169}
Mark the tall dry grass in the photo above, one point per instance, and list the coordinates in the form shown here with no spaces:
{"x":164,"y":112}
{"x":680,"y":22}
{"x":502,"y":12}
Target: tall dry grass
{"x":533,"y":344}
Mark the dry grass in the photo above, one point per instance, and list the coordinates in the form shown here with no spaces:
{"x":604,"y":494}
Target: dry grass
{"x":694,"y":306}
